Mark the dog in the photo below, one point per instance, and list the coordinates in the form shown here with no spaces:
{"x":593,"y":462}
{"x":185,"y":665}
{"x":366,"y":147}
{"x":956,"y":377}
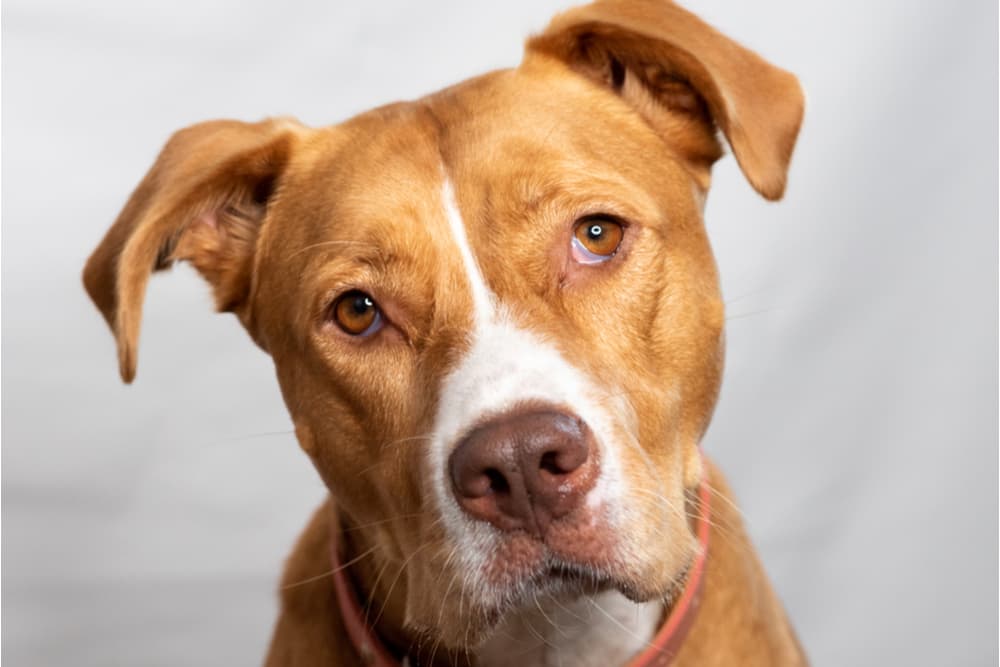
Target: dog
{"x":496,"y":323}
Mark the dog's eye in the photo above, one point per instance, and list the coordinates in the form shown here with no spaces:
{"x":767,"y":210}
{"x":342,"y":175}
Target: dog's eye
{"x":357,"y":314}
{"x":596,"y":239}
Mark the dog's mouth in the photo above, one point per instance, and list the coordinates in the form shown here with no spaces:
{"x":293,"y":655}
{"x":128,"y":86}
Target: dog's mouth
{"x":566,"y":580}
{"x":562,"y":582}
{"x":577,"y":575}
{"x":572,"y":579}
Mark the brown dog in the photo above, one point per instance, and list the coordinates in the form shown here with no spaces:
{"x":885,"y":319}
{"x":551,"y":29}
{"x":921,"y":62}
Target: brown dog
{"x":496,"y":323}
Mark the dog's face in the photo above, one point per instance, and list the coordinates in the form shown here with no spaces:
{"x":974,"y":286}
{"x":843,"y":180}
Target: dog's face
{"x":493,"y":312}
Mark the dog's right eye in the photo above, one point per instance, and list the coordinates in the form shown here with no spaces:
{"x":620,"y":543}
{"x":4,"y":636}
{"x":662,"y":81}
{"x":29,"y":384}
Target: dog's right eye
{"x":596,"y":239}
{"x":357,"y":314}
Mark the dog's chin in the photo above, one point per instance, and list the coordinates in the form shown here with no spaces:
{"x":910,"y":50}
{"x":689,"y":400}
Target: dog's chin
{"x":563,"y":582}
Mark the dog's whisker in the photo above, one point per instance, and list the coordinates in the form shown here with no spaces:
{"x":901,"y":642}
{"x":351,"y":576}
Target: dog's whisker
{"x":434,"y":649}
{"x":385,"y":567}
{"x":262,"y":434}
{"x":534,"y":631}
{"x":718,"y":494}
{"x":392,"y":586}
{"x":332,"y":571}
{"x":645,"y":643}
{"x":380,"y":522}
{"x":383,"y":461}
{"x":378,"y":578}
{"x":746,"y":295}
{"x":333,"y":243}
{"x":719,"y":529}
{"x":730,"y":318}
{"x":447,"y":592}
{"x":565,"y":609}
{"x":548,"y":620}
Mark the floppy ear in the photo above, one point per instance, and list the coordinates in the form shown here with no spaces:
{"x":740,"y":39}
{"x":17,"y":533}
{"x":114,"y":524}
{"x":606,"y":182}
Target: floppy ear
{"x":681,"y":75}
{"x":202,"y":201}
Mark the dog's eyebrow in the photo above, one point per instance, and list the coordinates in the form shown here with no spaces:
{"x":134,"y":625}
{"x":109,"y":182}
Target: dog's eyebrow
{"x":347,"y":262}
{"x":325,"y":244}
{"x":338,"y":262}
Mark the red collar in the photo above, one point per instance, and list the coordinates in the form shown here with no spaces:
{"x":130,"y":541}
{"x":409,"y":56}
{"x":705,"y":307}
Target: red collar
{"x":660,"y":652}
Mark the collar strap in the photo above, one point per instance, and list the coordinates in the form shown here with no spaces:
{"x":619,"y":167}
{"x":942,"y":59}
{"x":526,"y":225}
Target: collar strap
{"x":659,"y":653}
{"x":373,"y":652}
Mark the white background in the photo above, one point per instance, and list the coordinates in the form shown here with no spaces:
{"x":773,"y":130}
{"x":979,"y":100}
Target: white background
{"x":147,"y":525}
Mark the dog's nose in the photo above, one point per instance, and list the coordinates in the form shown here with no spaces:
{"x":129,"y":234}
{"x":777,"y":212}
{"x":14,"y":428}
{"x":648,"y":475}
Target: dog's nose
{"x":521,"y":470}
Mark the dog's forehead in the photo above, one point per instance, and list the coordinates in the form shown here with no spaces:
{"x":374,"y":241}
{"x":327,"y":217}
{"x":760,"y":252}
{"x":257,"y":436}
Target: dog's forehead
{"x":362,"y":193}
{"x":535,"y":126}
{"x":502,"y":142}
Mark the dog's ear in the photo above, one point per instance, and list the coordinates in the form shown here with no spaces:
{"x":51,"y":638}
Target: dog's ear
{"x":682,"y":75}
{"x":202,"y":201}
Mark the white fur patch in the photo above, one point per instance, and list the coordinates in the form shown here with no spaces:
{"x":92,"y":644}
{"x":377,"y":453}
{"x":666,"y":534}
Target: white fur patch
{"x":595,"y":631}
{"x":481,"y":298}
{"x":506,"y":366}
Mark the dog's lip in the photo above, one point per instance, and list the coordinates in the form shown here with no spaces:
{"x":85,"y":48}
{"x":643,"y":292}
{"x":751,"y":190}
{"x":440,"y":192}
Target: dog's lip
{"x":580,"y":575}
{"x":577,"y":580}
{"x":544,"y":568}
{"x":561,"y":577}
{"x":556,"y":575}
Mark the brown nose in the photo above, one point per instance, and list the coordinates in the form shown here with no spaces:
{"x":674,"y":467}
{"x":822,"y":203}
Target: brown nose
{"x":524,"y":469}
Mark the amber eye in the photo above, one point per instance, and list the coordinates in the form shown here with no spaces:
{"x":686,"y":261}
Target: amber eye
{"x":357,"y":314}
{"x":596,"y":239}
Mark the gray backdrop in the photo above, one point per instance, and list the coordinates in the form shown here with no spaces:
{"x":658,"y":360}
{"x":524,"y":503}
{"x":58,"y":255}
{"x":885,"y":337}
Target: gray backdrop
{"x":147,"y":525}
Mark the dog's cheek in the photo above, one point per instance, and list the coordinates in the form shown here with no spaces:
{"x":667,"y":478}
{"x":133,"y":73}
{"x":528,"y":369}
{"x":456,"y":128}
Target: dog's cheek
{"x":688,"y":333}
{"x":657,"y":528}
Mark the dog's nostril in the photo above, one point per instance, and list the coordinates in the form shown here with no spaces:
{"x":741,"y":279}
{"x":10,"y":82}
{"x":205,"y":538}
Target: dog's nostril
{"x":476,"y":486}
{"x":498,"y":483}
{"x":550,"y":464}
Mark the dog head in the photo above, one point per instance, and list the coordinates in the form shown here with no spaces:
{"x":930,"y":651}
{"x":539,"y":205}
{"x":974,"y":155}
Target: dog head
{"x":493,"y":312}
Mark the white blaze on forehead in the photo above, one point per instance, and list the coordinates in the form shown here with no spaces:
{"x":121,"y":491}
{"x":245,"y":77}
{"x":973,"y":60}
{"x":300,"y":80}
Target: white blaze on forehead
{"x":481,"y":298}
{"x":506,"y":365}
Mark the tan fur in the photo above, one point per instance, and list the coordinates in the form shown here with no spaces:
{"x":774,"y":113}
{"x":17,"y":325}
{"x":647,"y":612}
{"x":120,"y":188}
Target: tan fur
{"x":614,"y":110}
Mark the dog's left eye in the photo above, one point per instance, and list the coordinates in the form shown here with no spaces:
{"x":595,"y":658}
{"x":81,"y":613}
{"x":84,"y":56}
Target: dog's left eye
{"x":596,"y":239}
{"x":357,"y":314}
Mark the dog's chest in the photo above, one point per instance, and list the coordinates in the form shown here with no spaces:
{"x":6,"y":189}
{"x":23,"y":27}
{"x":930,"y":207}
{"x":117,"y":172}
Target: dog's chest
{"x":591,"y":631}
